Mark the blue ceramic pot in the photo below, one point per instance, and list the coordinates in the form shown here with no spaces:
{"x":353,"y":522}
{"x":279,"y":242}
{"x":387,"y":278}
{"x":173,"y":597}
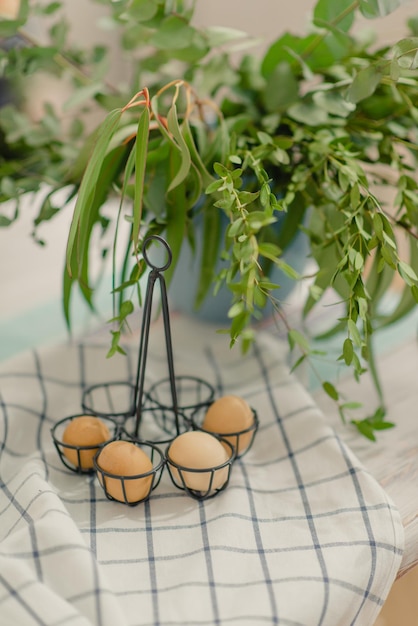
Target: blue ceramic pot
{"x":184,"y":284}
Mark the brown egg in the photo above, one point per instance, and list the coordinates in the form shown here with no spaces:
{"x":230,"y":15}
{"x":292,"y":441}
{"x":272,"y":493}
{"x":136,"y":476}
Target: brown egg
{"x":9,"y":9}
{"x":124,"y":458}
{"x":199,"y":450}
{"x":230,"y":415}
{"x":84,"y":430}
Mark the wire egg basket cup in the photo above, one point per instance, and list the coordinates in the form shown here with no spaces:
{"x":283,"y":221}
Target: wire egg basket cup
{"x":79,"y":458}
{"x":135,"y":488}
{"x":201,"y":483}
{"x":241,"y":440}
{"x":112,"y":399}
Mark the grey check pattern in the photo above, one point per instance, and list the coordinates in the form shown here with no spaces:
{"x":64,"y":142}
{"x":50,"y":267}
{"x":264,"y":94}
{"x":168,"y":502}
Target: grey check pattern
{"x":302,"y":536}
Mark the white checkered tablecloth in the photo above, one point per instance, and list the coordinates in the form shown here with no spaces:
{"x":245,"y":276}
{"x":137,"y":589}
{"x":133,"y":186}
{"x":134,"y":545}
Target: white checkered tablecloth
{"x":302,"y":536}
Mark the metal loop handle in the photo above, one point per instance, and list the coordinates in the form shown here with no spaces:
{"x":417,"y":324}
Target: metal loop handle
{"x":160,"y":268}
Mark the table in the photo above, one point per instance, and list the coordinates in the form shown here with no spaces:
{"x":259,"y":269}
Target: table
{"x":303,"y":535}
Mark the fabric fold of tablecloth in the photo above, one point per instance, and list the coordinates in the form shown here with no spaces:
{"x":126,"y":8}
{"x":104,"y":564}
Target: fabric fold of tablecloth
{"x":302,"y":536}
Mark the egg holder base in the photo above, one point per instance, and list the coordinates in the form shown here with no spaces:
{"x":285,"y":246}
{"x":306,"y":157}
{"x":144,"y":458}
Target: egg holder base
{"x":172,"y":419}
{"x":162,"y":421}
{"x":117,"y":399}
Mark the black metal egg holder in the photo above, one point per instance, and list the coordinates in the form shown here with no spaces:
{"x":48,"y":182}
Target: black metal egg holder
{"x":168,"y":414}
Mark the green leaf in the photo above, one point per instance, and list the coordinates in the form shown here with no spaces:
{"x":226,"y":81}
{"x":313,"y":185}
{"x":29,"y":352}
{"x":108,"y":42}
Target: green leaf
{"x":173,"y":34}
{"x":395,"y":70}
{"x":379,"y":8}
{"x":333,"y":103}
{"x":407,"y":300}
{"x":110,"y":167}
{"x":195,"y":154}
{"x":330,"y":390}
{"x":143,"y":10}
{"x":129,"y":168}
{"x":365,"y":428}
{"x":351,"y":405}
{"x":214,"y":186}
{"x":269,"y":250}
{"x":115,"y":347}
{"x":221,"y":170}
{"x":282,"y":88}
{"x":176,"y":212}
{"x":210,"y":253}
{"x":236,"y":309}
{"x":67,"y":289}
{"x":258,"y":219}
{"x":406,"y":53}
{"x":383,"y":425}
{"x":174,"y":128}
{"x":278,"y":52}
{"x":69,"y":282}
{"x":193,"y":52}
{"x":288,"y":269}
{"x":322,"y":279}
{"x":354,"y":333}
{"x":388,"y":254}
{"x":365,"y":83}
{"x":331,"y":10}
{"x":295,"y":337}
{"x":290,"y":47}
{"x":378,"y":226}
{"x":217,"y":73}
{"x":46,"y":212}
{"x":308,"y":113}
{"x":77,"y":233}
{"x":236,"y":227}
{"x":248,"y":197}
{"x":51,"y":7}
{"x":238,"y":324}
{"x":298,"y":362}
{"x":348,"y":351}
{"x":407,"y":273}
{"x":126,"y":308}
{"x":141,"y":150}
{"x":220,"y":35}
{"x":412,"y":23}
{"x":358,"y":261}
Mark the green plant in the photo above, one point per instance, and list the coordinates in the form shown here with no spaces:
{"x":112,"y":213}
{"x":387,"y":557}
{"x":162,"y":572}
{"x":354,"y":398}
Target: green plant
{"x":321,"y":123}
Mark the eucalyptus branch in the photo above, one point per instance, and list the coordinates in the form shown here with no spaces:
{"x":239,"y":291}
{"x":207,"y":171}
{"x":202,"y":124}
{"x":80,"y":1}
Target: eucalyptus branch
{"x":402,"y":225}
{"x":65,"y":63}
{"x":333,"y":23}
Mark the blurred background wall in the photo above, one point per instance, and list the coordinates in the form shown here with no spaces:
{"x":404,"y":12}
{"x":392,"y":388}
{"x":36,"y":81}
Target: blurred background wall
{"x":269,"y":18}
